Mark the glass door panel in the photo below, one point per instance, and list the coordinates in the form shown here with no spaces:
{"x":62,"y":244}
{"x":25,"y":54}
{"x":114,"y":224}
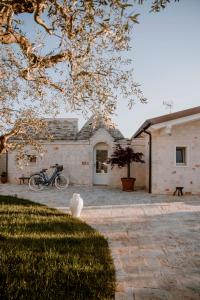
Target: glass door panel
{"x":101,"y":161}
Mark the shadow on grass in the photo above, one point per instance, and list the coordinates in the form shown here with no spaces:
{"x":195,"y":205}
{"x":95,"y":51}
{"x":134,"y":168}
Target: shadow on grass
{"x":52,"y":227}
{"x":87,"y":248}
{"x":11,"y":200}
{"x":41,"y":213}
{"x":52,"y":256}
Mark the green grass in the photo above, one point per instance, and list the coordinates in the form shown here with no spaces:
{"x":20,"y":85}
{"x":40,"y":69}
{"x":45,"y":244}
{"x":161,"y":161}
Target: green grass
{"x":45,"y":254}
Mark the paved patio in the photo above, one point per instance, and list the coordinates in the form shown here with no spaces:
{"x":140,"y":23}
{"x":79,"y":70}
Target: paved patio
{"x":155,"y":240}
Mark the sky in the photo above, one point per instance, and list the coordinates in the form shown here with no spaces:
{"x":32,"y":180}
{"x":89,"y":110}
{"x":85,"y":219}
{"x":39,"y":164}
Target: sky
{"x":166,"y":60}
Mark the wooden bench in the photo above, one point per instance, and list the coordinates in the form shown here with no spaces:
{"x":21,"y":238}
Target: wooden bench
{"x":23,"y":179}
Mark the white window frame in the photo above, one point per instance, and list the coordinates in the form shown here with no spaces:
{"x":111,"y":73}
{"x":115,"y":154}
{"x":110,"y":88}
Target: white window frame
{"x":186,"y":164}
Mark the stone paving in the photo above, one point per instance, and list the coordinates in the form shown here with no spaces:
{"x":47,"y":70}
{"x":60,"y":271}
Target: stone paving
{"x":155,"y":240}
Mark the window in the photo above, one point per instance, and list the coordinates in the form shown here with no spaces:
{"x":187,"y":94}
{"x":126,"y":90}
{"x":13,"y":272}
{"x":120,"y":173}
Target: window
{"x":181,"y":156}
{"x":32,"y":158}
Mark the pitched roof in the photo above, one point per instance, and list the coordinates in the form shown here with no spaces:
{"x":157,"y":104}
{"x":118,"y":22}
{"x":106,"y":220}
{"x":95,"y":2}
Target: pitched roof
{"x":67,"y":129}
{"x":59,"y":129}
{"x":166,"y":118}
{"x":63,"y":128}
{"x":92,"y":125}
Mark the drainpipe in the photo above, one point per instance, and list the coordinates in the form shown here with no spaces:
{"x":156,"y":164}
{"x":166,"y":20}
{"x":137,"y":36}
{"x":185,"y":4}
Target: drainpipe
{"x":150,"y":160}
{"x":7,"y":162}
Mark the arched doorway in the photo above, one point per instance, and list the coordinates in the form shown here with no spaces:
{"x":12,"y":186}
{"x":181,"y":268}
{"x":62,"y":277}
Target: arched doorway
{"x":100,"y":173}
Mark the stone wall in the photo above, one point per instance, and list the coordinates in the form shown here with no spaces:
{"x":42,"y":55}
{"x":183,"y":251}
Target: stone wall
{"x":73,"y":156}
{"x":166,"y":175}
{"x":138,"y":170}
{"x":78,"y":161}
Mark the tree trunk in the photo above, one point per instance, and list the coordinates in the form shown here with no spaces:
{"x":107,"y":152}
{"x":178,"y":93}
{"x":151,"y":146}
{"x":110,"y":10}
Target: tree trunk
{"x":2,"y":144}
{"x":4,"y":138}
{"x":128,"y":170}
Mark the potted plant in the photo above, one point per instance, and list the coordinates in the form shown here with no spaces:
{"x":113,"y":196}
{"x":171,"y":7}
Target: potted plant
{"x":124,"y":157}
{"x":4,"y":178}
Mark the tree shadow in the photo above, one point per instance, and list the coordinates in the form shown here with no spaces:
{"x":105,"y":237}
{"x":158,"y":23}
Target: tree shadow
{"x":49,"y":255}
{"x":64,"y":268}
{"x":12,"y":200}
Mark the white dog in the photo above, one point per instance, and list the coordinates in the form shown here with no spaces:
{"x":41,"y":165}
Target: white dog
{"x":76,"y":205}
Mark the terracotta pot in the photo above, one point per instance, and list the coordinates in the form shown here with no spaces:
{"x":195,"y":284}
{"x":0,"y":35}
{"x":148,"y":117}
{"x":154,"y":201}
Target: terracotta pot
{"x":3,"y":179}
{"x":128,"y":184}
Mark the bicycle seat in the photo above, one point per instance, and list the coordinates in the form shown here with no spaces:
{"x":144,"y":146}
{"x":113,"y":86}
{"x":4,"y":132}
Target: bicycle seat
{"x":44,"y":170}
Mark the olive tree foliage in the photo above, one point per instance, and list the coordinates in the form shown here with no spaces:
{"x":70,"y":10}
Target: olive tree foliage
{"x":71,"y":60}
{"x":20,"y":117}
{"x":158,"y":5}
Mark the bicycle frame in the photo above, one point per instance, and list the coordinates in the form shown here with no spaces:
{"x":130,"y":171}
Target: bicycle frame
{"x":51,"y":179}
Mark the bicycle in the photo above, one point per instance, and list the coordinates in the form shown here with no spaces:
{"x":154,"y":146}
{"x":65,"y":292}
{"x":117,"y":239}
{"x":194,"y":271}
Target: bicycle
{"x":39,"y":180}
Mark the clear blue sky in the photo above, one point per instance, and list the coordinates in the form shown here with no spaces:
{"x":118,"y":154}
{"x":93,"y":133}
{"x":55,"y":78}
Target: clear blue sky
{"x":166,"y":59}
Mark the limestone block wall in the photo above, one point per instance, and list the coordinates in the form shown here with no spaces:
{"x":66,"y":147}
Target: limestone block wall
{"x":14,"y":171}
{"x":73,"y":156}
{"x":77,"y":157}
{"x":138,"y":170}
{"x":166,"y":175}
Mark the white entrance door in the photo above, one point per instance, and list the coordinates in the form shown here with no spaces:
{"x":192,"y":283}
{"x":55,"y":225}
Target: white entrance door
{"x":100,"y":164}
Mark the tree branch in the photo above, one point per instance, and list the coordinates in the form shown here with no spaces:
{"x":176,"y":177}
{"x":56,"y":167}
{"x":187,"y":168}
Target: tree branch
{"x":39,"y":8}
{"x":4,"y":138}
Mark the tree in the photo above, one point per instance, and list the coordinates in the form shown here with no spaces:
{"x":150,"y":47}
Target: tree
{"x":76,"y":53}
{"x":157,"y":5}
{"x":21,"y":119}
{"x":124,"y":157}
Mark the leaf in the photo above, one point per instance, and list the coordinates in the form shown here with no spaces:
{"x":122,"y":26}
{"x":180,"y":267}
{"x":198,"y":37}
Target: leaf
{"x":134,"y":18}
{"x":124,"y":6}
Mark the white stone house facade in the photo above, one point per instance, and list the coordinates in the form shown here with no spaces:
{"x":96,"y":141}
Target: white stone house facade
{"x":82,"y":153}
{"x":170,"y":143}
{"x":172,"y":152}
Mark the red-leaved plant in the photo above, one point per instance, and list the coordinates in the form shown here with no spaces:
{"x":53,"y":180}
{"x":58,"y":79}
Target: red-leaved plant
{"x":124,"y":157}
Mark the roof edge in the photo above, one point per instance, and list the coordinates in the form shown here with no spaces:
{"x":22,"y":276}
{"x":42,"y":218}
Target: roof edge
{"x":60,"y":119}
{"x":166,"y":118}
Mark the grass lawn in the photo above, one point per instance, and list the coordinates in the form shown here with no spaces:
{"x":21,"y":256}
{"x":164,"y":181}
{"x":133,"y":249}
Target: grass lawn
{"x":46,"y":254}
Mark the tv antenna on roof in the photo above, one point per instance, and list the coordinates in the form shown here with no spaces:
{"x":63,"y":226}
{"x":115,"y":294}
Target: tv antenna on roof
{"x":168,"y":105}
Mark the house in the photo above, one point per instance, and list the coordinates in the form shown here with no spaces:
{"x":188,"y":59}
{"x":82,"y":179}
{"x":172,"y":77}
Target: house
{"x":172,"y":151}
{"x":170,"y":143}
{"x":83,"y":153}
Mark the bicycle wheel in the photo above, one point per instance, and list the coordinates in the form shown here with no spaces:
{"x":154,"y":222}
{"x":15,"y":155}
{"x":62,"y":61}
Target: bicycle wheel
{"x":36,"y":183}
{"x":61,"y":182}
